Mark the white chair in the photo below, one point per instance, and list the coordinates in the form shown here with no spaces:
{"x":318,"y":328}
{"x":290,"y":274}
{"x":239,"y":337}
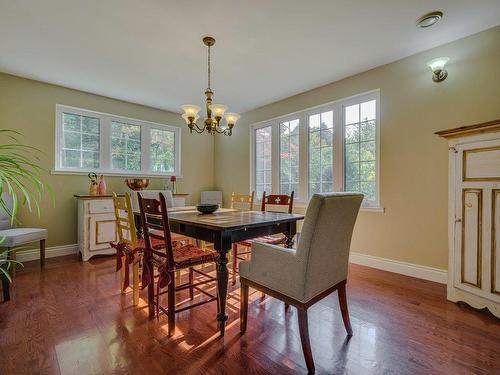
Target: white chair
{"x":303,"y":276}
{"x":211,"y":197}
{"x":11,"y":237}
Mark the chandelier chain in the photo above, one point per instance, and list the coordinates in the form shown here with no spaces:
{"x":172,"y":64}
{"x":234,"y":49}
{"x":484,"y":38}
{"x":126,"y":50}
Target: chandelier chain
{"x":209,"y":67}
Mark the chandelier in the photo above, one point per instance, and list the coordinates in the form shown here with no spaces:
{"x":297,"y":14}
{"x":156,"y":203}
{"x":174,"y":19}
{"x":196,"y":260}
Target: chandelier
{"x":215,"y":112}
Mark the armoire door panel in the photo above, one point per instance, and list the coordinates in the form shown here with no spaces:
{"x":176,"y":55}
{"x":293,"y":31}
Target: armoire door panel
{"x":482,"y":164}
{"x":471,"y":237}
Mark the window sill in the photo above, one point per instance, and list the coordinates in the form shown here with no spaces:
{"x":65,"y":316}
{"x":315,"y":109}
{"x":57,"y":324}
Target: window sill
{"x":373,"y":209}
{"x":111,"y":174}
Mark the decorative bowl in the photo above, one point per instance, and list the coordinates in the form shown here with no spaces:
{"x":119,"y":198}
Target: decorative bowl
{"x":207,"y":208}
{"x":137,"y":184}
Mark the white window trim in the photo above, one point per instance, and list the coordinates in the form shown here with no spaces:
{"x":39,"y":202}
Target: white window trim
{"x":339,"y":113}
{"x":105,"y":144}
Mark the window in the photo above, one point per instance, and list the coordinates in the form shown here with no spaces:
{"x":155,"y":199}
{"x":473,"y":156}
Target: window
{"x":320,"y":152}
{"x":125,"y":147}
{"x":360,"y":146}
{"x":289,"y":157}
{"x":162,"y":151}
{"x":103,"y":143}
{"x":263,"y":161}
{"x":332,"y":147}
{"x":80,"y":141}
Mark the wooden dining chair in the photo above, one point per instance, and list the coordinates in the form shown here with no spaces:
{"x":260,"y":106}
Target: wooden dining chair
{"x":267,"y":201}
{"x":240,"y":202}
{"x":128,"y":248}
{"x":167,"y":261}
{"x":315,"y":269}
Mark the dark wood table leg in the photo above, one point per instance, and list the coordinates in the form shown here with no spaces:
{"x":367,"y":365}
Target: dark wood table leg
{"x":222,"y":245}
{"x":290,"y":233}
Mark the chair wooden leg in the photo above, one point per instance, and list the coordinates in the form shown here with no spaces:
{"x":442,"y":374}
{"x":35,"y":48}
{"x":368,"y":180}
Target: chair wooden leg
{"x":5,"y":287}
{"x":243,"y":307}
{"x":151,"y":297}
{"x":122,"y":275}
{"x":343,"y":309}
{"x":235,"y":262}
{"x":191,"y":281}
{"x":13,"y":266}
{"x":171,"y":305}
{"x":135,"y":286}
{"x":178,"y":277}
{"x":140,"y":265}
{"x":42,"y":253}
{"x":304,"y":338}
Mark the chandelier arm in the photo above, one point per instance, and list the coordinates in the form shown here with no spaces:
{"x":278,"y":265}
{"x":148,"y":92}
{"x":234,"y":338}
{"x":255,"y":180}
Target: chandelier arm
{"x":198,"y":129}
{"x":225,"y":131}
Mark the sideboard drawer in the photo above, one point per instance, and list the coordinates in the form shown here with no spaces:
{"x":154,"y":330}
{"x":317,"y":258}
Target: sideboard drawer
{"x":100,"y":206}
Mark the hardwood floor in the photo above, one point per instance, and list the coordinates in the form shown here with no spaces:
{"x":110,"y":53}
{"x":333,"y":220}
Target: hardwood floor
{"x":71,"y":319}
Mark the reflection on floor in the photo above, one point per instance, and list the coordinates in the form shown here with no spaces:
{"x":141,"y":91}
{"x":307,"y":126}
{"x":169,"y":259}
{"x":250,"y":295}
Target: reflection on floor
{"x":71,"y":319}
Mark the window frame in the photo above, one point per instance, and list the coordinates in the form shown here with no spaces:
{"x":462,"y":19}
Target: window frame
{"x":338,"y":107}
{"x":274,"y":158}
{"x":105,"y":142}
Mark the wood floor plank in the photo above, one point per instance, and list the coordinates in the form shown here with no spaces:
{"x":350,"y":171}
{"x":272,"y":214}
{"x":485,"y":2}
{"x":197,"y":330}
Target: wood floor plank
{"x":70,"y":318}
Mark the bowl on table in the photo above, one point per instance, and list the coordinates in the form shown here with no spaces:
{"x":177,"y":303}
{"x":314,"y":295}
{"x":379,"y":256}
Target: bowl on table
{"x":207,"y":208}
{"x":137,"y":184}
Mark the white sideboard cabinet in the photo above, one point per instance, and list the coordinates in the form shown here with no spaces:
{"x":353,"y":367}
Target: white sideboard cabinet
{"x":474,"y":215}
{"x":96,"y":225}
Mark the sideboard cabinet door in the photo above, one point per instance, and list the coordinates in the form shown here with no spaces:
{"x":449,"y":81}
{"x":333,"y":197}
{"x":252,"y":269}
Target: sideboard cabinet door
{"x":102,"y":231}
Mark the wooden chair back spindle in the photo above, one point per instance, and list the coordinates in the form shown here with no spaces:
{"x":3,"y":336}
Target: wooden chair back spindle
{"x":277,"y":200}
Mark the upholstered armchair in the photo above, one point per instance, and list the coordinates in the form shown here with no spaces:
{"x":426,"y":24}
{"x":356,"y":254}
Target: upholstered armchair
{"x":316,"y":268}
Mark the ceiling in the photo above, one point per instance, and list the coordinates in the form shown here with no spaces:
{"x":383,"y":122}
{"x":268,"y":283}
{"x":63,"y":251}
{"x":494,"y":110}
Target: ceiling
{"x":150,"y":52}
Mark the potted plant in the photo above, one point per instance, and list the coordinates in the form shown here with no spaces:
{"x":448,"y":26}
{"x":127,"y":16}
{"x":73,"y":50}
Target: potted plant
{"x":20,"y":178}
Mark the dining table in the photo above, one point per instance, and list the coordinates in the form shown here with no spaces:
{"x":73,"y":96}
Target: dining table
{"x":223,"y":228}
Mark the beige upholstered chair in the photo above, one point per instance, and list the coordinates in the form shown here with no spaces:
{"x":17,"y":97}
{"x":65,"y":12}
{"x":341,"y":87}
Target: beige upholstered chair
{"x":10,"y":237}
{"x":303,"y":276}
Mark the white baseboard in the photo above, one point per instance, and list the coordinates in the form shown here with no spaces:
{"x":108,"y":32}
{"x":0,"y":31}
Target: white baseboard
{"x":409,"y":269}
{"x":50,"y":252}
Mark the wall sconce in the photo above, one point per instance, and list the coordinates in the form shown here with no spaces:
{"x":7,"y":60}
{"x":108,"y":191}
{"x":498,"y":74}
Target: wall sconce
{"x":437,"y":66}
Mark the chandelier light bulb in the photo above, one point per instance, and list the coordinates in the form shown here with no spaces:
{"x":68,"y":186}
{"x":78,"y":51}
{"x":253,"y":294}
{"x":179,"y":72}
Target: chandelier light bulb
{"x":437,"y":66}
{"x":218,"y":110}
{"x":191,"y":110}
{"x":438,"y":63}
{"x":232,"y":118}
{"x":186,"y":117}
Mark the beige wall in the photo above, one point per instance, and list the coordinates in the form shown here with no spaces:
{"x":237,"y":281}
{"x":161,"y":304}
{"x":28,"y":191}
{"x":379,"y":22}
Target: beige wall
{"x":413,"y":161}
{"x":29,"y":107}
